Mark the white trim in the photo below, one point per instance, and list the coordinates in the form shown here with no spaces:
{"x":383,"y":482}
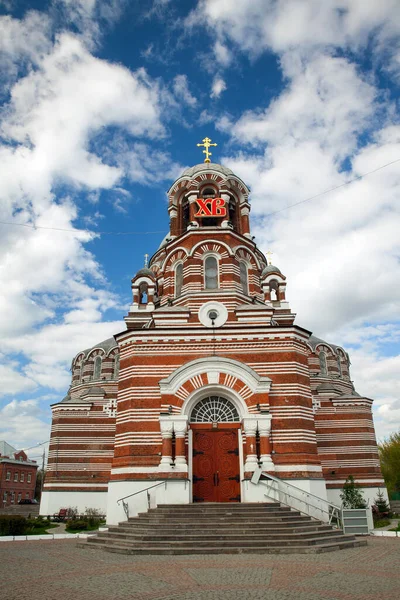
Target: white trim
{"x":75,"y":485}
{"x":256,"y":383}
{"x":295,"y":468}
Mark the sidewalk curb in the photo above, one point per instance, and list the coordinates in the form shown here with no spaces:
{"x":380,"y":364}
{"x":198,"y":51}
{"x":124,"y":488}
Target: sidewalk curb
{"x":49,"y":536}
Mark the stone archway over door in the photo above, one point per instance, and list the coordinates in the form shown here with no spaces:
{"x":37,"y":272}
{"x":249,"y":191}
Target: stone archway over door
{"x":216,"y":471}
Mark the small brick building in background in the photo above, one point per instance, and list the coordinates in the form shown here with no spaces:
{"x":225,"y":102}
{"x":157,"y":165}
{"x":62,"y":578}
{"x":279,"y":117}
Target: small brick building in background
{"x":211,"y":378}
{"x":17,"y":475}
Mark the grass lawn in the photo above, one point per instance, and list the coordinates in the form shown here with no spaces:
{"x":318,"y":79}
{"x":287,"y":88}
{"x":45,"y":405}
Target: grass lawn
{"x":381,"y":523}
{"x":87,"y":530}
{"x":41,"y":530}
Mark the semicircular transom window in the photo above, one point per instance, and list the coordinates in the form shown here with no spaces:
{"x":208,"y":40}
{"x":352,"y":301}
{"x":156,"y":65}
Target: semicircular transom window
{"x":214,"y":409}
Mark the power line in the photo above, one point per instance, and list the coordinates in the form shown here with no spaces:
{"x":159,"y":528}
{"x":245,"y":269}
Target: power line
{"x":337,"y":187}
{"x":75,"y":230}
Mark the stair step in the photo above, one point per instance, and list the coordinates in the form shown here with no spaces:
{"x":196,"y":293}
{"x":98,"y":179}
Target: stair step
{"x":141,"y":529}
{"x":210,"y":528}
{"x":232,"y":550}
{"x":227,"y":537}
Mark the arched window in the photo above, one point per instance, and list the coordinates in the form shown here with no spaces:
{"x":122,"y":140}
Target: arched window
{"x":214,"y":409}
{"x":178,"y":280}
{"x":81,"y":372}
{"x":339,"y":364}
{"x":208,"y":193}
{"x":322,"y":363}
{"x":244,"y":277}
{"x":97,"y":368}
{"x":211,"y":273}
{"x":273,"y":290}
{"x":116,"y":366}
{"x":143,"y":293}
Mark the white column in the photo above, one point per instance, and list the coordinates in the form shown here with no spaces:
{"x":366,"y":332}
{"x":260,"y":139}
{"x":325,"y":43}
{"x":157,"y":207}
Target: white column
{"x":180,"y":428}
{"x":264,"y":429}
{"x":250,"y":429}
{"x":167,"y":427}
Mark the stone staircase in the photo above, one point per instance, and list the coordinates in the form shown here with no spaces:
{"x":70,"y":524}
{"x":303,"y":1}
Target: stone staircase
{"x":221,"y":529}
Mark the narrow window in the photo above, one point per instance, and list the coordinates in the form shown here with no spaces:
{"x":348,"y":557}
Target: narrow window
{"x":12,"y":497}
{"x":16,"y":476}
{"x":19,"y":496}
{"x":244,"y":277}
{"x":4,"y":497}
{"x":178,"y":280}
{"x":22,"y":477}
{"x":211,"y":273}
{"x":29,"y":477}
{"x":339,"y":364}
{"x":273,"y":289}
{"x":97,"y":368}
{"x":143,"y":287}
{"x":27,"y":495}
{"x":8,"y":476}
{"x":322,"y":363}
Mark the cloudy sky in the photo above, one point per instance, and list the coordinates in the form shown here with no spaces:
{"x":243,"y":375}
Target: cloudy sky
{"x":102,"y":104}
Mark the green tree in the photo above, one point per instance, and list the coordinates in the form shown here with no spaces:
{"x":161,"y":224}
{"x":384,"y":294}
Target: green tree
{"x":382,"y":507}
{"x":39,"y":480}
{"x":351,"y":496}
{"x":389,"y":454}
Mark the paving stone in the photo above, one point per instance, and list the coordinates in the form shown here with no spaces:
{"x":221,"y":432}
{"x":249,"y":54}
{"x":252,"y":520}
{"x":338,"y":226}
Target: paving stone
{"x":59,"y":569}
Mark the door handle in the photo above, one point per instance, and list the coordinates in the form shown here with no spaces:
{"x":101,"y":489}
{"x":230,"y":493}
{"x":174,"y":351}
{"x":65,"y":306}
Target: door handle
{"x":217,"y":477}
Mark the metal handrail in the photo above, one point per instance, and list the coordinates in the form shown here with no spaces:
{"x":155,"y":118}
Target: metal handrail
{"x":150,"y":487}
{"x":140,"y":491}
{"x":332,"y":510}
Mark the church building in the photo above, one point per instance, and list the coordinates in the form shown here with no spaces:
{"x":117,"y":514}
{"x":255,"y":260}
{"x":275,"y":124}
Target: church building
{"x":211,"y":379}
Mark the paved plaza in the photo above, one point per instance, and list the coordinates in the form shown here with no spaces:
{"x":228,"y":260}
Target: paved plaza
{"x":48,"y":570}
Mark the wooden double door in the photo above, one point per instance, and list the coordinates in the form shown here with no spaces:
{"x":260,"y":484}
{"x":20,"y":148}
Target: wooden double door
{"x":216,"y":473}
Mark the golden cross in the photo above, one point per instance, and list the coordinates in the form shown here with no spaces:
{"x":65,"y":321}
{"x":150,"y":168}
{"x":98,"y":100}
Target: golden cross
{"x":207,"y":143}
{"x":269,"y":254}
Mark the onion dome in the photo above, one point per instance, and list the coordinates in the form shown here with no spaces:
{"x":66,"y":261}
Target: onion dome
{"x":191,"y":171}
{"x":270,"y":269}
{"x":145,"y":272}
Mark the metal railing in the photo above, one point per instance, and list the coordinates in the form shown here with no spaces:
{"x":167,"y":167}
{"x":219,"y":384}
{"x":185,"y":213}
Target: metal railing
{"x":294,"y":497}
{"x":147,"y":490}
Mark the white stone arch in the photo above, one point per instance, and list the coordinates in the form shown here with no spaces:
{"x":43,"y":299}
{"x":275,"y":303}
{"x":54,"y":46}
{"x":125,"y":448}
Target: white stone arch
{"x":213,"y":244}
{"x":168,"y":257}
{"x":250,"y":252}
{"x":214,"y":366}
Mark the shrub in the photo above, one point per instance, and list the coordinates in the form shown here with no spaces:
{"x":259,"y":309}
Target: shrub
{"x":93,"y":516}
{"x":72,"y":512}
{"x":381,"y":508}
{"x":351,"y":496}
{"x":12,"y":525}
{"x":76,"y":524}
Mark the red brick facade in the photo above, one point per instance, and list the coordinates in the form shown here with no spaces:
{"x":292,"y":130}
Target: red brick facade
{"x":127,"y":416}
{"x":17,"y":478}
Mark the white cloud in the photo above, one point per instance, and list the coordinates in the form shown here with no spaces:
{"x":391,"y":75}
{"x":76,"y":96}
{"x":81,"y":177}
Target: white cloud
{"x":308,"y":25}
{"x":53,"y":301}
{"x":12,"y":382}
{"x":24,"y":38}
{"x":222,"y":54}
{"x":182,"y":92}
{"x":218,"y":86}
{"x":22,"y":424}
{"x":339,"y":251}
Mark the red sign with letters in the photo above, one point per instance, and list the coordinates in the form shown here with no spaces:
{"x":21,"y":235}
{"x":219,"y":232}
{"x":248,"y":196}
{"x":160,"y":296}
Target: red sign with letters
{"x":211,"y":207}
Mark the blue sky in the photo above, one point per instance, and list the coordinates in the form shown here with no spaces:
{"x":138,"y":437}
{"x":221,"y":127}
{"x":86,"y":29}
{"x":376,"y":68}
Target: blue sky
{"x":102,"y":106}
